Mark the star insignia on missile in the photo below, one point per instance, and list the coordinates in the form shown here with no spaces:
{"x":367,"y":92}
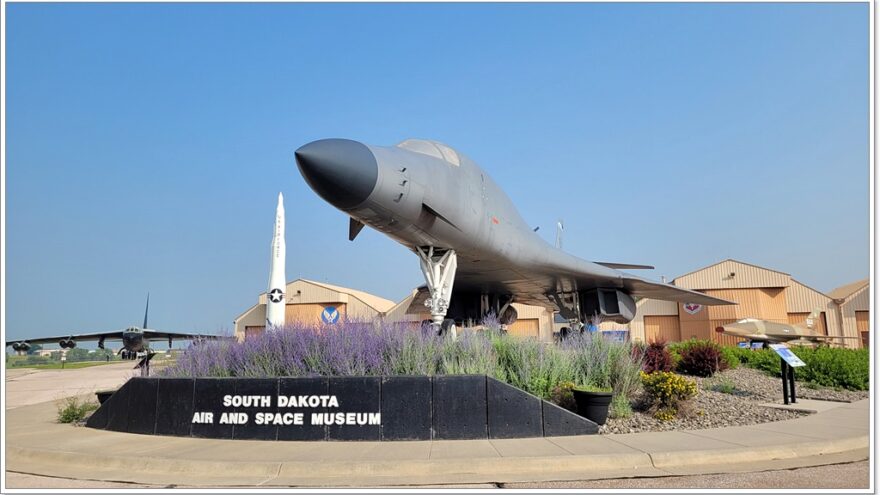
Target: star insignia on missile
{"x":275,"y":295}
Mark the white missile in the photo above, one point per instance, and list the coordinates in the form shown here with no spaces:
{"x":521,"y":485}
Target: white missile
{"x":277,"y":279}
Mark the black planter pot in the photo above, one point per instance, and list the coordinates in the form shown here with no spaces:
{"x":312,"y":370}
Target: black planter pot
{"x":593,"y":405}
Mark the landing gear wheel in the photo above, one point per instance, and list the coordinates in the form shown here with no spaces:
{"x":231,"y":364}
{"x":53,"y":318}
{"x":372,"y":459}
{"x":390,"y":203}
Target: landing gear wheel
{"x":447,"y":327}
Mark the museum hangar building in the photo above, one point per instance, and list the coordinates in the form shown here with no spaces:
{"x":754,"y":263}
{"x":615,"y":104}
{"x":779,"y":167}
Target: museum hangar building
{"x":759,"y":292}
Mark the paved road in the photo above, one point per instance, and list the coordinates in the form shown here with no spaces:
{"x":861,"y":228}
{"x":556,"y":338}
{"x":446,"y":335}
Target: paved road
{"x":837,"y":476}
{"x":26,"y":386}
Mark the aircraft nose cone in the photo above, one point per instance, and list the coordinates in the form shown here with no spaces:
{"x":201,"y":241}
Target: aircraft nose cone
{"x":342,"y":171}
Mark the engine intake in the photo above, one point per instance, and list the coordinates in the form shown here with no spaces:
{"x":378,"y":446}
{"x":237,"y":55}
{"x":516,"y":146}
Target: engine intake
{"x":611,"y":304}
{"x":21,"y":347}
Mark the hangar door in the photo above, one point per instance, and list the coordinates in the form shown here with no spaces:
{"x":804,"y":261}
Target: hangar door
{"x":662,"y":328}
{"x":524,"y":328}
{"x":253,"y":331}
{"x":863,"y":325}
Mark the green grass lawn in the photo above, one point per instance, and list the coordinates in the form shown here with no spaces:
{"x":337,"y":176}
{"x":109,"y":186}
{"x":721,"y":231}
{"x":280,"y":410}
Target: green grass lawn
{"x":57,"y":366}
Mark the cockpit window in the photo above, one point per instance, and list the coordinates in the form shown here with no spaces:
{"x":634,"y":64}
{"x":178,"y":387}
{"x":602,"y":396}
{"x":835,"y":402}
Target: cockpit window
{"x":432,"y":148}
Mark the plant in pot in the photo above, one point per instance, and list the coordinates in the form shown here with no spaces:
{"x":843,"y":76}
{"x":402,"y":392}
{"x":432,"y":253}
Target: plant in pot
{"x":593,"y":402}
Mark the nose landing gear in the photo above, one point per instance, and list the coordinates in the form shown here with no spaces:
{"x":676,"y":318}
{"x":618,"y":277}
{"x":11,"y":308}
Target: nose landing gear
{"x":438,"y":267}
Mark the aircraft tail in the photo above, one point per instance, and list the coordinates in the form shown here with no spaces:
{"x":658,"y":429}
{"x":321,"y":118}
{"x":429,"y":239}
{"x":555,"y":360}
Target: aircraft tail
{"x":812,"y":321}
{"x":147,"y":311}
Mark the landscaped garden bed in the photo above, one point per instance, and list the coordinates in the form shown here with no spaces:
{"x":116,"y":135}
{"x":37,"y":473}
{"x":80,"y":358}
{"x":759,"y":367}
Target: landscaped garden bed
{"x":690,"y":385}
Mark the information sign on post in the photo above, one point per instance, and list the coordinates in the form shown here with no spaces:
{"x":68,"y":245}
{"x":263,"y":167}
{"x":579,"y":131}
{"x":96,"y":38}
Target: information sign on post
{"x":788,"y":362}
{"x":786,"y":354}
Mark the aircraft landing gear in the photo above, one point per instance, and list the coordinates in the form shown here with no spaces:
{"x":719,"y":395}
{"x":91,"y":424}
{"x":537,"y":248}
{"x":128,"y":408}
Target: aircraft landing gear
{"x":438,"y":267}
{"x":448,"y":328}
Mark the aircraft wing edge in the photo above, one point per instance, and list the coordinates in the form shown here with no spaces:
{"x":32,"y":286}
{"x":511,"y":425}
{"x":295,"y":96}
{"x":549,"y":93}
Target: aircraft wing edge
{"x":114,"y":335}
{"x":656,"y":290}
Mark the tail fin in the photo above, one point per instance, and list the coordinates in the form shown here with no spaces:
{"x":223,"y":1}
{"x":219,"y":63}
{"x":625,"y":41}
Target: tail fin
{"x":147,"y":311}
{"x":812,"y":320}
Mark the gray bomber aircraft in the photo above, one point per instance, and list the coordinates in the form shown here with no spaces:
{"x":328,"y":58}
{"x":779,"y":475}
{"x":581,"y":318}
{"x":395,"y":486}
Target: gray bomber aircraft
{"x":477,"y":254}
{"x":135,"y":340}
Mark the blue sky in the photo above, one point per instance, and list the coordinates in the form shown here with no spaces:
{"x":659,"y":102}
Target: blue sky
{"x":146,"y":143}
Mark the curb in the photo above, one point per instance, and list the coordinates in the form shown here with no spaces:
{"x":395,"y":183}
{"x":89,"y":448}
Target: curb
{"x":749,"y":455}
{"x":414,"y":472}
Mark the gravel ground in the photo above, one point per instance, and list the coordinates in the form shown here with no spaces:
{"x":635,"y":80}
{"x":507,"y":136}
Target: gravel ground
{"x":714,"y":409}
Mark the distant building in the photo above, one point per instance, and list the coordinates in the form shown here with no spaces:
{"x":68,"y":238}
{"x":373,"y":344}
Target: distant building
{"x":313,"y":302}
{"x":759,"y":293}
{"x":854,"y":301}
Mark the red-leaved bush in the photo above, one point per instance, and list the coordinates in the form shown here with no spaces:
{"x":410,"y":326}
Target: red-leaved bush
{"x":657,"y":357}
{"x":701,"y":358}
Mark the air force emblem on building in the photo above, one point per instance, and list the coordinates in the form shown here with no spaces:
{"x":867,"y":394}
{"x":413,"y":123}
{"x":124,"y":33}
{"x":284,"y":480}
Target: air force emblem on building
{"x":330,"y":315}
{"x":276,"y":295}
{"x":692,"y":308}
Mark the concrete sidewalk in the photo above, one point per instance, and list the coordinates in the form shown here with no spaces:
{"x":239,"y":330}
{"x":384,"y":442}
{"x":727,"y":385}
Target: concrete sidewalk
{"x":36,"y":444}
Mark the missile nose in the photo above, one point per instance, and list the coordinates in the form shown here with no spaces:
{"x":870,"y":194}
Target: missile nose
{"x":342,"y":171}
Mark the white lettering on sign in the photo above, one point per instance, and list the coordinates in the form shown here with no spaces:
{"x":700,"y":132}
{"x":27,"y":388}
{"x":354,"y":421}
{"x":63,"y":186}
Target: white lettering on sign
{"x":247,"y":401}
{"x":203,"y":417}
{"x":308,"y":401}
{"x":279,"y":419}
{"x":233,"y":418}
{"x":346,"y":418}
{"x":285,"y":418}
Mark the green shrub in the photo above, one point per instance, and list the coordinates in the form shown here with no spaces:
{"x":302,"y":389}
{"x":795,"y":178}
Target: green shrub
{"x":593,"y":388}
{"x":601,"y":363}
{"x":825,"y":366}
{"x":667,"y":393}
{"x":700,"y":358}
{"x":563,"y":397}
{"x":728,"y":355}
{"x":738,"y":354}
{"x":620,"y":407}
{"x":725,"y":386}
{"x":73,"y":410}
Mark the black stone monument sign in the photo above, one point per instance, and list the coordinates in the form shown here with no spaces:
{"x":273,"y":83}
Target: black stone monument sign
{"x":334,"y":408}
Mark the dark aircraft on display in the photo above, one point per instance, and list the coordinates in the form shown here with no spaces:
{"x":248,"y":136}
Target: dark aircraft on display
{"x":135,"y":340}
{"x":477,"y":254}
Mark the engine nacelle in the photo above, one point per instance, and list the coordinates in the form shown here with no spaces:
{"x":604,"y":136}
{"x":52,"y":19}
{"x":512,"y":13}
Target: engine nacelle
{"x":509,"y":316}
{"x":610,"y":304}
{"x":21,"y":347}
{"x":67,"y":344}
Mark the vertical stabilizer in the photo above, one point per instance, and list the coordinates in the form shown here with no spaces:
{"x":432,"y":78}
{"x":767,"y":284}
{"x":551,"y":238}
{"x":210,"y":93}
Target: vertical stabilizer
{"x":559,"y":230}
{"x":812,"y":321}
{"x":147,"y":311}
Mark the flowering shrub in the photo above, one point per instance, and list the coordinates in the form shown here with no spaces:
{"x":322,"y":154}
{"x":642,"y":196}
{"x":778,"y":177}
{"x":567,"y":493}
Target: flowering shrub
{"x":667,"y":393}
{"x":373,"y":348}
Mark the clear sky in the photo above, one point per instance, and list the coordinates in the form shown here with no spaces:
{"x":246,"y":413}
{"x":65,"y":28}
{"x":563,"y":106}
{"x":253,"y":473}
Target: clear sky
{"x":146,"y":143}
